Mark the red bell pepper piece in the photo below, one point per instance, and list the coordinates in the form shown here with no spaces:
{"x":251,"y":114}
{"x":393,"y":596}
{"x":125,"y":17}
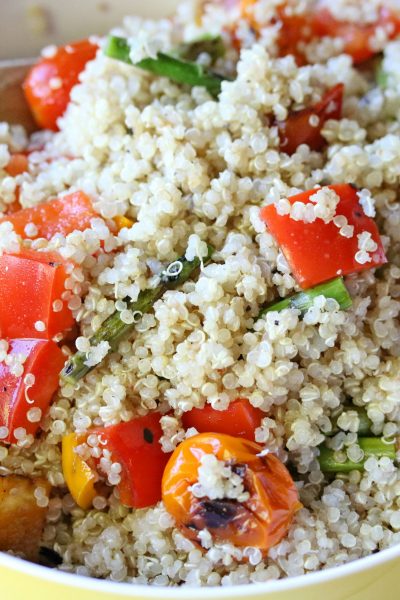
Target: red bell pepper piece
{"x":30,"y":282}
{"x":356,"y":36}
{"x":44,"y":360}
{"x":17,"y":164}
{"x":298,"y":129}
{"x":298,"y":29}
{"x":62,"y":215}
{"x":135,"y":445}
{"x":240,"y":419}
{"x":317,"y":252}
{"x":48,"y":84}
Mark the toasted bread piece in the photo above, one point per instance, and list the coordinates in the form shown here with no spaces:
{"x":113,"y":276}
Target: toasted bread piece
{"x":21,"y":519}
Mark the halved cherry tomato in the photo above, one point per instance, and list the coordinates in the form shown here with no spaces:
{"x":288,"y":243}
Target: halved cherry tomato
{"x":30,"y":283}
{"x":240,"y":419}
{"x":317,"y":252}
{"x":44,"y":360}
{"x":298,"y":128}
{"x":260,"y":521}
{"x":135,"y":445}
{"x":62,"y":215}
{"x":49,"y":83}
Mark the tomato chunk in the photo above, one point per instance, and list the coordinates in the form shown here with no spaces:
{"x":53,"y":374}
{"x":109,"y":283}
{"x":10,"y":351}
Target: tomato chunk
{"x":317,"y":251}
{"x":299,"y":129}
{"x":135,"y":445}
{"x":30,"y":282}
{"x":48,"y":84}
{"x":44,"y":360}
{"x":240,"y":419}
{"x":62,"y":215}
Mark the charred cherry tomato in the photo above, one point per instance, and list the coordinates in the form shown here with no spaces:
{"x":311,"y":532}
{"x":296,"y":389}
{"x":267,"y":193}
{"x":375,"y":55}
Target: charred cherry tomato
{"x":62,"y":215}
{"x":299,"y":128}
{"x":44,"y":361}
{"x":49,"y":83}
{"x":316,"y":251}
{"x":261,"y":521}
{"x":240,"y":419}
{"x":30,"y":284}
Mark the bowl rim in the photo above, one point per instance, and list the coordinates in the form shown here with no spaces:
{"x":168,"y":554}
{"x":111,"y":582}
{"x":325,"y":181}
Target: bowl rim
{"x":117,"y":589}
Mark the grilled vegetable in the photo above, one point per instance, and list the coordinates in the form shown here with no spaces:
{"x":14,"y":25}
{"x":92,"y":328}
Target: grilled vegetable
{"x":21,"y":517}
{"x":330,"y":461}
{"x":113,"y":330}
{"x":31,"y":288}
{"x":136,"y":447}
{"x":304,"y":300}
{"x":24,"y":399}
{"x":62,"y":215}
{"x":78,"y":475}
{"x":166,"y":65}
{"x":240,"y":419}
{"x":212,"y":45}
{"x":305,"y":126}
{"x":316,"y":251}
{"x":48,"y":84}
{"x":260,"y":521}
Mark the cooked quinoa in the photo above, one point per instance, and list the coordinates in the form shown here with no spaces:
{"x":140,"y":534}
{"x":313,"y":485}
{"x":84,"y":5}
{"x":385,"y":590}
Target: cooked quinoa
{"x":188,"y":169}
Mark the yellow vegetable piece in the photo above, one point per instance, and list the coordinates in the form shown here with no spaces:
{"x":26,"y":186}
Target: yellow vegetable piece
{"x":122,"y":222}
{"x":79,"y":477}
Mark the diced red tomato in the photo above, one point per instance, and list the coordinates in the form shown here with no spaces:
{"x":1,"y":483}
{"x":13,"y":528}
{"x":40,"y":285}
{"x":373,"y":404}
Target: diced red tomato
{"x":44,"y":360}
{"x":48,"y":84}
{"x":17,"y":164}
{"x":135,"y":445}
{"x":317,"y":252}
{"x":30,"y":282}
{"x":62,"y":215}
{"x":356,"y":36}
{"x":297,"y":129}
{"x":240,"y":419}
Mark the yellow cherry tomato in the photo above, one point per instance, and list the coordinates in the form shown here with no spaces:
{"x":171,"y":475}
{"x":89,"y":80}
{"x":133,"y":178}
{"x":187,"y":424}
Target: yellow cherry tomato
{"x":78,"y":475}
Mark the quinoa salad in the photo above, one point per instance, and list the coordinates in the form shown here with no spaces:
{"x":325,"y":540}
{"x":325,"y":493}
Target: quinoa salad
{"x":200,"y":296}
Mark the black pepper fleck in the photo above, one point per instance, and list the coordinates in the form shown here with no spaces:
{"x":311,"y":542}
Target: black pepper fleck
{"x":148,"y":435}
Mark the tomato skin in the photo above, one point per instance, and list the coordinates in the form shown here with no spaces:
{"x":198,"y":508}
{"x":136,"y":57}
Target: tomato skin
{"x":45,"y":361}
{"x":48,"y":103}
{"x":62,"y":215}
{"x":261,"y":521}
{"x":316,"y":252}
{"x":135,"y":445}
{"x":29,"y":284}
{"x":297,"y":130}
{"x":240,"y":419}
